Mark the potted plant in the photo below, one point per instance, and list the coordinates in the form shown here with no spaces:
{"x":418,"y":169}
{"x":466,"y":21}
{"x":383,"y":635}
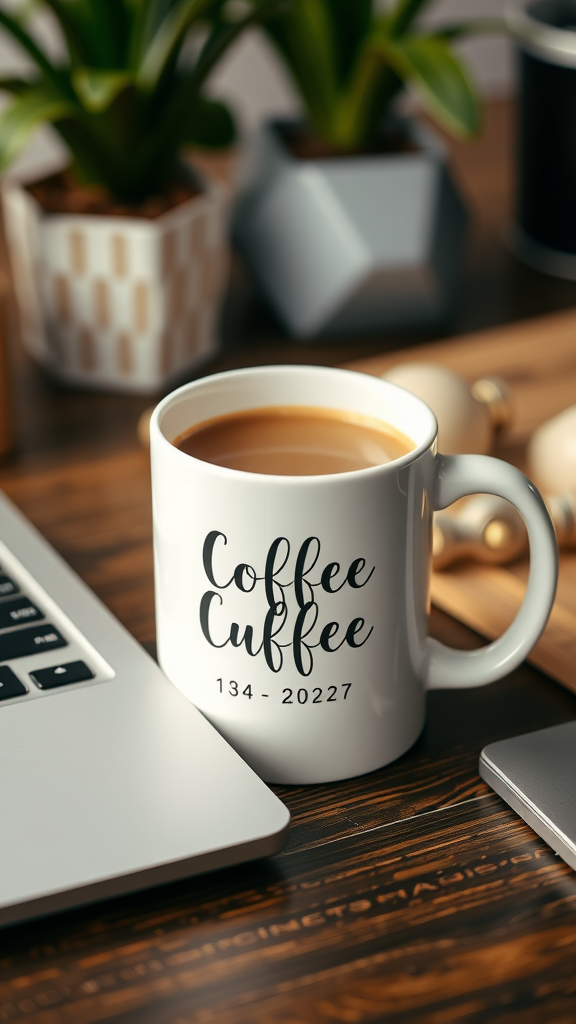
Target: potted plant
{"x":350,"y":220}
{"x":119,"y":260}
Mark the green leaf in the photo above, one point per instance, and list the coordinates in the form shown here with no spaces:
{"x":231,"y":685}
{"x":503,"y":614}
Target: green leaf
{"x":158,"y":151}
{"x":350,"y":23}
{"x":108,"y":23}
{"x":146,"y":17}
{"x":78,"y":38}
{"x":302,"y":31}
{"x":439,"y":77}
{"x":40,"y":104}
{"x":97,"y":89}
{"x":16,"y":86}
{"x":19,"y":34}
{"x":167,"y":40}
{"x":26,"y":10}
{"x":402,"y":15}
{"x":224,"y":35}
{"x":362,"y":106}
{"x":211,"y":124}
{"x":316,"y":40}
{"x":97,"y":31}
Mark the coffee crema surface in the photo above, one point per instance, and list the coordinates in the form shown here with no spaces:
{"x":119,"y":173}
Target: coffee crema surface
{"x":294,"y":440}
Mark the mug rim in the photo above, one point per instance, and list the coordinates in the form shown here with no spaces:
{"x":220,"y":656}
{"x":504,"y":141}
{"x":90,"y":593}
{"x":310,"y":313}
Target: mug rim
{"x":550,"y":43}
{"x":372,"y":382}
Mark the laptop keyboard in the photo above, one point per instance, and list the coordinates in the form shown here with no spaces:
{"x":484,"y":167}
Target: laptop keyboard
{"x":10,"y":685}
{"x":19,"y":643}
{"x":28,"y":636}
{"x":18,"y":610}
{"x":7,"y":586}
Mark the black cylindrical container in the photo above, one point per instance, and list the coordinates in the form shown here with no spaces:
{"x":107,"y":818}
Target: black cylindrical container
{"x":545,"y":230}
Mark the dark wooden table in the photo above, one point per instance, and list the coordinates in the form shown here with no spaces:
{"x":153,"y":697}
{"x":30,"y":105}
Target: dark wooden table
{"x":412,"y":894}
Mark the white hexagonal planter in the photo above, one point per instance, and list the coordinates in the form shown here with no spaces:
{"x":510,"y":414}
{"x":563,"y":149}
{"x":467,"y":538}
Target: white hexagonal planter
{"x":112,"y":302}
{"x":351,"y":244}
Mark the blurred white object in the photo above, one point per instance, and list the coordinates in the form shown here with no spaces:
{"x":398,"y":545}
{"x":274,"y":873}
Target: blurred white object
{"x":488,"y":529}
{"x":562,"y":509}
{"x":552,"y":454}
{"x":468,"y":416}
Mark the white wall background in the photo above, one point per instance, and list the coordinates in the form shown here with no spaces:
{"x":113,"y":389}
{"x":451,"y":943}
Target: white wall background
{"x":253,"y":81}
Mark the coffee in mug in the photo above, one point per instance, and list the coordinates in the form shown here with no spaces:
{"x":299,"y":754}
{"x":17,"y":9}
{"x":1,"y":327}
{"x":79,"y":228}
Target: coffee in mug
{"x":292,"y":603}
{"x":294,"y":440}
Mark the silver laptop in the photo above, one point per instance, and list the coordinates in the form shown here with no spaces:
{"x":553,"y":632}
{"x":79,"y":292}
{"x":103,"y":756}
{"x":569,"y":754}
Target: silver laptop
{"x":110,"y":780}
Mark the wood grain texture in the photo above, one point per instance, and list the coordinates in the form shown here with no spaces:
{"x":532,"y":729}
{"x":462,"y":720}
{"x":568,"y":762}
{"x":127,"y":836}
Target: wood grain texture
{"x":6,"y":427}
{"x":457,"y":914}
{"x":97,"y":513}
{"x":408,"y":895}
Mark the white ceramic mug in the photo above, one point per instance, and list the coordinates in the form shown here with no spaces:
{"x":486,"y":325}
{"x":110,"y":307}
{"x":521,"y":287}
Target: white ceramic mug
{"x":293,"y":611}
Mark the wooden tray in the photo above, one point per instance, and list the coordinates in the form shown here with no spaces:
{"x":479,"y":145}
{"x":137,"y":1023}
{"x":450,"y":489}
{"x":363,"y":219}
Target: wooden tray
{"x":537,"y":358}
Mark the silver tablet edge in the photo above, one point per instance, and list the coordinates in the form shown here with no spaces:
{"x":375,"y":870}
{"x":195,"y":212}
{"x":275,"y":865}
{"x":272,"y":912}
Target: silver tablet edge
{"x":527,"y":810}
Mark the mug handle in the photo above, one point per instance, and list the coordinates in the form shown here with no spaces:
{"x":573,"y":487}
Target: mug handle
{"x":457,"y":476}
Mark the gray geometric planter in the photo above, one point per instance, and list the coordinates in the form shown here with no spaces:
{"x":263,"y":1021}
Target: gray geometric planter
{"x":351,"y":244}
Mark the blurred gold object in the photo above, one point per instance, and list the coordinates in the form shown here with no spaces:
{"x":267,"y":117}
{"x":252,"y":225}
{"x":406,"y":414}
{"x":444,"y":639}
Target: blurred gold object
{"x":498,"y":535}
{"x":484,"y":529}
{"x":489,"y":529}
{"x":495,"y":393}
{"x":6,"y":430}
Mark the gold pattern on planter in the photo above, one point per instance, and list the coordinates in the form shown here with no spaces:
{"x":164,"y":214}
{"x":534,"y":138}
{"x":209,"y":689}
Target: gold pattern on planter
{"x":197,"y":239}
{"x":177,"y":295}
{"x":211,"y":279}
{"x":217,"y":264}
{"x":166,"y":353}
{"x":124,"y":346}
{"x":119,"y":255}
{"x":192,"y":335}
{"x":78,"y":260}
{"x":62,"y":298}
{"x":141,"y":306}
{"x":55,"y":343}
{"x":168,"y":253}
{"x":28,"y":317}
{"x":101,"y":303}
{"x":87,"y":350}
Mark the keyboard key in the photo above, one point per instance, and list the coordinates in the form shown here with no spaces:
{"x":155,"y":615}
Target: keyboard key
{"x":7,"y":586}
{"x":10,"y":685}
{"x":18,"y":611}
{"x":60,"y":675}
{"x":31,"y":640}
